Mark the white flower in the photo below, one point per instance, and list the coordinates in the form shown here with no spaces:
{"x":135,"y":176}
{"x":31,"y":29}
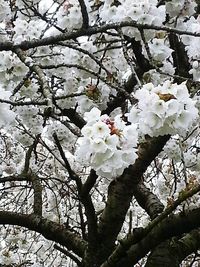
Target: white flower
{"x":83,"y":154}
{"x":129,"y":156}
{"x":85,"y":104}
{"x":87,"y":131}
{"x":190,"y":159}
{"x":160,"y":51}
{"x":172,"y":107}
{"x":153,"y":120}
{"x":195,"y":64}
{"x":134,"y":12}
{"x":116,"y":160}
{"x":112,"y":141}
{"x":164,"y":109}
{"x":183,"y":120}
{"x":7,"y":116}
{"x":172,"y":149}
{"x":100,"y":129}
{"x":159,"y":107}
{"x":98,"y":159}
{"x":133,"y":115}
{"x":93,"y":115}
{"x":108,"y":146}
{"x":182,"y":92}
{"x":98,"y":145}
{"x":130,"y":135}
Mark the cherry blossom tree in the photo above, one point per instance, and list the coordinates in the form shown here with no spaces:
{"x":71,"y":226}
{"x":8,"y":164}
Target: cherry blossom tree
{"x":99,"y":114}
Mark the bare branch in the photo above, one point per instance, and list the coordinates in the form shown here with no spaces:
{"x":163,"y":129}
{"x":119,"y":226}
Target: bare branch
{"x":25,"y":45}
{"x":50,"y":230}
{"x":84,"y":14}
{"x":148,"y":201}
{"x":88,"y":185}
{"x":68,"y":254}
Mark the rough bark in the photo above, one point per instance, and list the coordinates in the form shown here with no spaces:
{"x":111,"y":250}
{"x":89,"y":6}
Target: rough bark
{"x":148,"y":201}
{"x":121,"y":191}
{"x":163,"y":256}
{"x":174,"y":251}
{"x":50,"y":230}
{"x":188,"y":244}
{"x":179,"y":55}
{"x":174,"y":225}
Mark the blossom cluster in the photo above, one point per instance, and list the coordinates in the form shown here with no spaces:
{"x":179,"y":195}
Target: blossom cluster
{"x":69,"y":15}
{"x":108,"y":146}
{"x":27,"y":30}
{"x":164,"y":109}
{"x":192,"y":45}
{"x":141,"y":11}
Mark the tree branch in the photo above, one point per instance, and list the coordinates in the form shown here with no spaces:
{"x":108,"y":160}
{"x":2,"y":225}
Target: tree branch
{"x":68,"y":254}
{"x":121,"y":191}
{"x":71,"y":173}
{"x":74,"y":117}
{"x":142,"y":66}
{"x":46,"y":91}
{"x":188,"y":244}
{"x":172,"y":252}
{"x":147,"y":200}
{"x":37,"y":195}
{"x":84,"y":14}
{"x":163,"y":255}
{"x":138,"y":237}
{"x":25,"y":45}
{"x":172,"y":226}
{"x":85,"y":198}
{"x":180,"y":58}
{"x":175,"y":250}
{"x":50,"y":230}
{"x":90,"y":182}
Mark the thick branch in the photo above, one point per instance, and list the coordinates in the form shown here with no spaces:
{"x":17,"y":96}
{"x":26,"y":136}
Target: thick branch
{"x":142,"y":62}
{"x":121,"y":191}
{"x":28,"y":175}
{"x":188,"y":244}
{"x":37,"y":195}
{"x":138,"y":236}
{"x":14,"y":178}
{"x":85,"y":198}
{"x":74,"y":117}
{"x":172,"y":252}
{"x":147,"y":200}
{"x":172,"y":226}
{"x":180,"y":58}
{"x":163,"y":255}
{"x":50,"y":230}
{"x":91,"y":221}
{"x":175,"y":250}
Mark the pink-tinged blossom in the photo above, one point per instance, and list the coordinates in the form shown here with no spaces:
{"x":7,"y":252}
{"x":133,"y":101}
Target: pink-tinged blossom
{"x":109,"y":146}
